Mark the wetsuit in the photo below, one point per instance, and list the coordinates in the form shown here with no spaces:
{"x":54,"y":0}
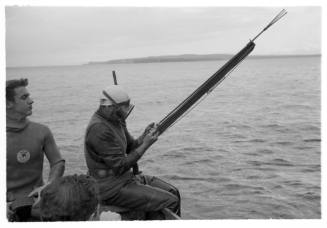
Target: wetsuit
{"x":109,"y":153}
{"x":26,"y":145}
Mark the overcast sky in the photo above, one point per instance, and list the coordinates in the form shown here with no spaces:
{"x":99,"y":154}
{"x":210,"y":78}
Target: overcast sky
{"x":75,"y":35}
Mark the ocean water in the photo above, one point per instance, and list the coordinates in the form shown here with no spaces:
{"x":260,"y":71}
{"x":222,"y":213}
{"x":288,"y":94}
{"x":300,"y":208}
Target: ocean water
{"x":250,"y":150}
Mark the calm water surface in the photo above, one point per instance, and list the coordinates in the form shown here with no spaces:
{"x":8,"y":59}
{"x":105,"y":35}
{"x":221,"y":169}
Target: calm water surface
{"x":250,"y":150}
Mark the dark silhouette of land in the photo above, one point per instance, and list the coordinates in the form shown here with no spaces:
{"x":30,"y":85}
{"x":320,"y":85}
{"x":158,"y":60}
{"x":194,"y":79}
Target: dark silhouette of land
{"x":190,"y":58}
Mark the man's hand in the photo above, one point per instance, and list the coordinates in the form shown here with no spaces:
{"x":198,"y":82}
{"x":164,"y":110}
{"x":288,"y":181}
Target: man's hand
{"x":10,"y":212}
{"x":148,"y":140}
{"x":150,"y":137}
{"x":36,"y":193}
{"x":146,"y":131}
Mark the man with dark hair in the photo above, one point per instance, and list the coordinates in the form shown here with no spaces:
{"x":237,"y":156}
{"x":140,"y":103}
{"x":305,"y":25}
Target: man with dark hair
{"x":27,"y":143}
{"x":111,"y":152}
{"x":69,"y":198}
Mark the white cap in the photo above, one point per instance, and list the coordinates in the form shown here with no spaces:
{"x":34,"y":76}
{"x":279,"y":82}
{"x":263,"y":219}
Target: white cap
{"x":116,"y":93}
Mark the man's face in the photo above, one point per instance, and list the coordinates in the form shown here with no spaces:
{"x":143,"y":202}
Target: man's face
{"x":126,"y":109}
{"x":23,"y":102}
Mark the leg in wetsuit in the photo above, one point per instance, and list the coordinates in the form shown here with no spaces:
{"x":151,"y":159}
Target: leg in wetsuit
{"x":149,"y":194}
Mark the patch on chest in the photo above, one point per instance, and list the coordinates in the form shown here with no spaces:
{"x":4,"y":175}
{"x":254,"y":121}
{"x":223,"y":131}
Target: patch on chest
{"x":23,"y":156}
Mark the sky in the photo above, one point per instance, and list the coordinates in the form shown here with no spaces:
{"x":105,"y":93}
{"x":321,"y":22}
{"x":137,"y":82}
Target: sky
{"x":37,"y":36}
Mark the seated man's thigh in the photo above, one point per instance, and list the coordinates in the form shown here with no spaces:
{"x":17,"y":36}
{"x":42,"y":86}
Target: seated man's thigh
{"x":137,"y":196}
{"x":158,"y":183}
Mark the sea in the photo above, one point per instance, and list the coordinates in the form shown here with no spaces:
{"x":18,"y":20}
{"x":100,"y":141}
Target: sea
{"x":250,"y":150}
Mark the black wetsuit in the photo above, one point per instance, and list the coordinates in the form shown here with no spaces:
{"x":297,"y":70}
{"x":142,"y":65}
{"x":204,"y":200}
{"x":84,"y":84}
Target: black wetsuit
{"x":110,"y":155}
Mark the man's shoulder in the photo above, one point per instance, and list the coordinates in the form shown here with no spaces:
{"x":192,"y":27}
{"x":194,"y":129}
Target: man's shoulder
{"x":39,"y":126}
{"x":99,"y":127}
{"x":99,"y":123}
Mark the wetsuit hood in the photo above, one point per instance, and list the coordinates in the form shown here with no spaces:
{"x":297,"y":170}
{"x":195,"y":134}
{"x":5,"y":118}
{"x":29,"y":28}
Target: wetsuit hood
{"x":16,"y":125}
{"x":111,"y":115}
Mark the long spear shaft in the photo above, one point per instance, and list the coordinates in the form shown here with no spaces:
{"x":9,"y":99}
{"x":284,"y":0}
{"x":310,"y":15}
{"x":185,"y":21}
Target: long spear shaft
{"x":212,"y":82}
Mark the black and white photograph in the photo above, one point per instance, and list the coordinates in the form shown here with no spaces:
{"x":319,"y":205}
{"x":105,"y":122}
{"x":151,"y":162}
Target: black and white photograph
{"x":159,"y":112}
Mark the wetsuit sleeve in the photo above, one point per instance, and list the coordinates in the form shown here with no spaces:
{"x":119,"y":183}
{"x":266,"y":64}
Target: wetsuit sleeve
{"x":57,"y":163}
{"x":106,"y":145}
{"x":50,"y":148}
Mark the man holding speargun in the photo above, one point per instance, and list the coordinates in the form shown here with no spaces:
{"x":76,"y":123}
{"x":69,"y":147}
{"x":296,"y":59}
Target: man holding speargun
{"x":111,"y":152}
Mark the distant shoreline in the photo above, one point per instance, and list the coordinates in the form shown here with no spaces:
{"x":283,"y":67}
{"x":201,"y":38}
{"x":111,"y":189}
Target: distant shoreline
{"x":172,"y":58}
{"x":190,"y":58}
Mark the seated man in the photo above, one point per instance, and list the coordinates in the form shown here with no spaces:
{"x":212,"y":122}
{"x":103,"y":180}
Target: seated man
{"x":111,"y":152}
{"x":27,"y":143}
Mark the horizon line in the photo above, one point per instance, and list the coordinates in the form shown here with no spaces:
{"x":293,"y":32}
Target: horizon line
{"x":108,"y":61}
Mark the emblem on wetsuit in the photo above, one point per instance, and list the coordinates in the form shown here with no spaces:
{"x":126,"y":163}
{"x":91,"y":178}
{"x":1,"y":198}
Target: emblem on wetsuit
{"x":23,"y":156}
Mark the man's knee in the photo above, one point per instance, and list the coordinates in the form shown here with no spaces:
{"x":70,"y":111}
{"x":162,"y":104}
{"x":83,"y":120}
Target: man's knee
{"x":159,"y":183}
{"x":175,"y":191}
{"x":170,"y":200}
{"x":175,"y":201}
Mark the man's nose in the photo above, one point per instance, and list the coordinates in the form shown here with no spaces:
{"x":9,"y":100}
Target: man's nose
{"x":30,"y":101}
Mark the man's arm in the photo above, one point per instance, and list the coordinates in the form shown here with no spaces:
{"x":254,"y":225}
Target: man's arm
{"x":57,"y":163}
{"x":56,"y":170}
{"x":106,"y":145}
{"x":132,"y":143}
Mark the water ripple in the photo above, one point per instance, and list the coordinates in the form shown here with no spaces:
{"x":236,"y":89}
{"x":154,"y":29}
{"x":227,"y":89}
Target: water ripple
{"x":312,"y":140}
{"x":265,"y":151}
{"x":279,"y":162}
{"x":188,"y":178}
{"x":309,"y":196}
{"x":283,"y":143}
{"x":232,"y":187}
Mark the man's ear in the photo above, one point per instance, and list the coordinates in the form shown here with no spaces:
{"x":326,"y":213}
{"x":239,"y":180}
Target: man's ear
{"x":9,"y":104}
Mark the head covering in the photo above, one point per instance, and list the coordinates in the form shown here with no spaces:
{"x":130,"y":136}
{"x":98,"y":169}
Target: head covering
{"x":114,"y":95}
